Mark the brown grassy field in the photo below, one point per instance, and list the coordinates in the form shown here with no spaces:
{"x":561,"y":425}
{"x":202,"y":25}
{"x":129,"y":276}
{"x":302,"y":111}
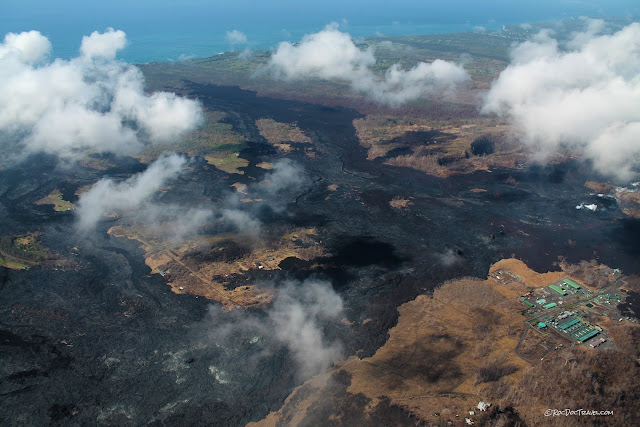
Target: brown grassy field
{"x":628,"y":199}
{"x":400,"y":203}
{"x":285,"y":137}
{"x":456,"y":347}
{"x":208,"y":265}
{"x":438,"y":147}
{"x":276,"y":132}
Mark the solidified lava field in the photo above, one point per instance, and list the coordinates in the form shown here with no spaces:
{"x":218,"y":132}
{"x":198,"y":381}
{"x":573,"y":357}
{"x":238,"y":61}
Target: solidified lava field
{"x":108,"y":342}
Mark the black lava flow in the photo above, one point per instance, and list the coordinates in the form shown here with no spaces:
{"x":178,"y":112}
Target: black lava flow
{"x":109,"y":343}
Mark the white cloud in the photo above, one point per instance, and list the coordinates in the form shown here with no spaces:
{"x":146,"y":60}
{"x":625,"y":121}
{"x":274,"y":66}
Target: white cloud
{"x":30,"y":47}
{"x":108,"y":196}
{"x":92,"y":102}
{"x":242,"y":221}
{"x":450,"y":257}
{"x":69,"y":129}
{"x":295,"y":320}
{"x":593,"y":28}
{"x":400,"y":86}
{"x":103,"y":45}
{"x":586,"y":98}
{"x":171,"y":223}
{"x":285,"y":175}
{"x":236,"y":37}
{"x":133,"y":200}
{"x":332,"y":54}
{"x":329,"y":54}
{"x":296,"y":314}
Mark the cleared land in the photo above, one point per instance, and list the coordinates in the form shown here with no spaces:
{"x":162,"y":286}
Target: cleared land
{"x":457,"y":347}
{"x":24,"y":251}
{"x":218,"y":267}
{"x":21,"y":252}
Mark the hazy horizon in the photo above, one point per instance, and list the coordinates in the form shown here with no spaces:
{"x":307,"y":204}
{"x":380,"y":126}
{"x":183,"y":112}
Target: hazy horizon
{"x":173,"y":30}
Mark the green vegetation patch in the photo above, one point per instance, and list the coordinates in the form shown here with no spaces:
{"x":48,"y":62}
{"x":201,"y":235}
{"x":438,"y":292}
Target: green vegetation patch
{"x":15,"y":265}
{"x":214,"y":139}
{"x":55,"y":199}
{"x":230,"y":163}
{"x":22,"y":251}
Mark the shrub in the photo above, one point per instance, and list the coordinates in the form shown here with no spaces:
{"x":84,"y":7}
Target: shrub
{"x":483,"y":146}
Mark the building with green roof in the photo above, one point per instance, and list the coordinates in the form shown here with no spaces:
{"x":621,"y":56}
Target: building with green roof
{"x":558,"y":290}
{"x":571,"y":283}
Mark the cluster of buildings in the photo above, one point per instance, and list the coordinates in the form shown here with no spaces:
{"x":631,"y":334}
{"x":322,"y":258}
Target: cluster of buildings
{"x":543,"y":303}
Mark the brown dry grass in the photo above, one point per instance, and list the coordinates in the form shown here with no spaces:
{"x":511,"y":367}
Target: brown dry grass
{"x":457,"y":347}
{"x":265,"y":165}
{"x":628,"y":199}
{"x":453,"y":160}
{"x":400,"y":203}
{"x":529,"y":277}
{"x":629,"y":202}
{"x":209,"y":279}
{"x":431,"y":360}
{"x":374,"y":130}
{"x":95,"y":163}
{"x":599,"y":187}
{"x":448,"y":153}
{"x":240,"y":188}
{"x":273,"y":419}
{"x":279,"y":133}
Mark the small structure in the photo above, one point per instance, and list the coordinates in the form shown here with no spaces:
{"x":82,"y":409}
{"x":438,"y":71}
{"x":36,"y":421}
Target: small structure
{"x":571,"y":283}
{"x":569,"y":323}
{"x":550,"y":305}
{"x":587,"y":335}
{"x":483,"y":405}
{"x":542,"y":325}
{"x":541,"y":301}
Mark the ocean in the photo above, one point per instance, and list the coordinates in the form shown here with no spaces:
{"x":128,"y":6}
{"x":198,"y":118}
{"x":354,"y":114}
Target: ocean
{"x":172,"y":30}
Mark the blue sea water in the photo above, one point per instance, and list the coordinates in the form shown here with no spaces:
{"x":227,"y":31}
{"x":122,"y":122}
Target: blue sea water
{"x":169,"y":30}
